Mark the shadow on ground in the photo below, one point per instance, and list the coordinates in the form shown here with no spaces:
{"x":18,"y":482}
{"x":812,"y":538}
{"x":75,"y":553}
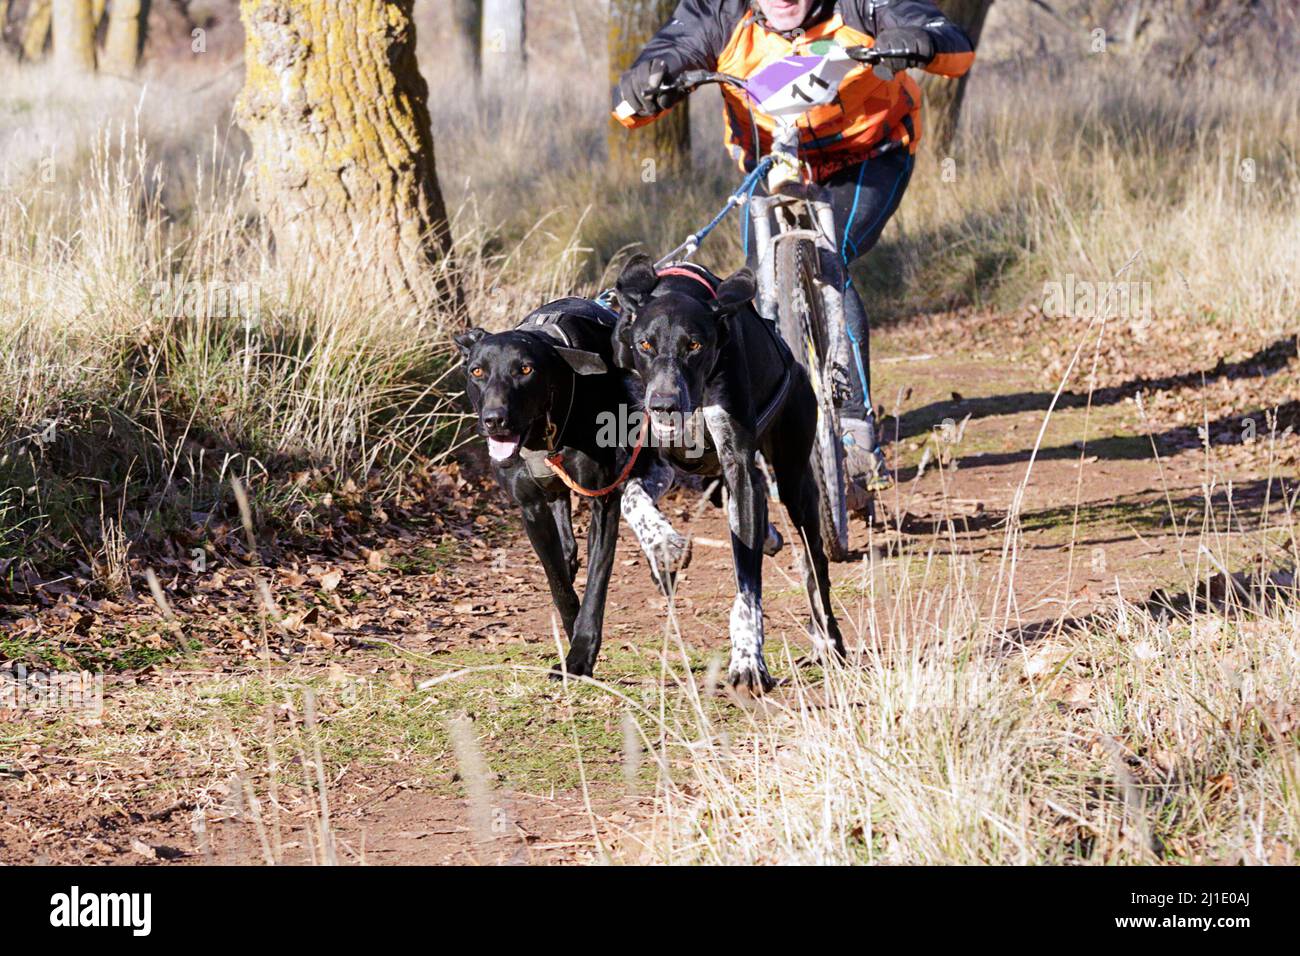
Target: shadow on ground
{"x":1263,"y":363}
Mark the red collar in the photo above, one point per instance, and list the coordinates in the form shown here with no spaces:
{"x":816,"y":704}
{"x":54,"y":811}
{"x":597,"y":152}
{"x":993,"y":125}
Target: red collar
{"x":691,"y":274}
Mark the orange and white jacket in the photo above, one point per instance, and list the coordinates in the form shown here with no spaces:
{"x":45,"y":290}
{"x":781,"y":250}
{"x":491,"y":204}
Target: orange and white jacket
{"x":726,"y":36}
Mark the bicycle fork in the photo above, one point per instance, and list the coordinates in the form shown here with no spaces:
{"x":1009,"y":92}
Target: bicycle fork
{"x":780,"y":218}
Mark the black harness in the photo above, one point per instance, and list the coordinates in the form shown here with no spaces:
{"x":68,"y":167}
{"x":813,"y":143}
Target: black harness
{"x":556,"y":321}
{"x":551,"y":318}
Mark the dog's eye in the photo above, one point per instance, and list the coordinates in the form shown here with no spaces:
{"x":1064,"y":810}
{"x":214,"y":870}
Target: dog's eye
{"x":694,"y":346}
{"x":525,"y":370}
{"x":646,"y":346}
{"x":476,"y":371}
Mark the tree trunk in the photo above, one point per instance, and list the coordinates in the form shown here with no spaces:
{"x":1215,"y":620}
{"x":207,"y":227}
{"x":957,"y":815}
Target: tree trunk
{"x":467,"y":24}
{"x":504,"y":64}
{"x":664,"y":147}
{"x":343,"y":162}
{"x":36,"y":29}
{"x":943,"y":96}
{"x":123,"y":42}
{"x":74,"y":36}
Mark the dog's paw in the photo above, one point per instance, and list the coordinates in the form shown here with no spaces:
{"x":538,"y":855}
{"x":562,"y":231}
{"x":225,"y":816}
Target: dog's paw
{"x":669,"y":556}
{"x":665,"y":583}
{"x":676,"y":549}
{"x":825,"y":644}
{"x":750,"y":677}
{"x":578,"y":663}
{"x":823,"y":652}
{"x":565,"y":669}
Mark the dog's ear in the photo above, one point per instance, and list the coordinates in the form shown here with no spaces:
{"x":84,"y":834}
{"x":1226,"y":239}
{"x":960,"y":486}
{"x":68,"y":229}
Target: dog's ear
{"x":722,"y":322}
{"x":621,"y":341}
{"x":466,"y":341}
{"x":635,"y":283}
{"x":739,"y":289}
{"x":582,"y":362}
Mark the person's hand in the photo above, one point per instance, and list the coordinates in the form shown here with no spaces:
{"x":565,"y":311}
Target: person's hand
{"x":901,"y":47}
{"x":640,"y":87}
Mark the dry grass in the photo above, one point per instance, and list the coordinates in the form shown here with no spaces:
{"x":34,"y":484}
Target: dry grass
{"x":1151,"y":730}
{"x":1204,"y":192}
{"x":150,"y":346}
{"x":1127,"y":740}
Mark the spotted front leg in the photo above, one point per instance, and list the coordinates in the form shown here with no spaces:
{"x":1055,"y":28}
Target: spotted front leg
{"x":666,"y":551}
{"x":747,"y":517}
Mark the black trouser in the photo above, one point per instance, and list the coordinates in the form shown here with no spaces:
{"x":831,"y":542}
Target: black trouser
{"x":863,"y":197}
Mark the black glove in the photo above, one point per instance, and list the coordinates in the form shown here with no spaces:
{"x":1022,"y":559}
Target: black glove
{"x":641,"y":87}
{"x":902,"y":47}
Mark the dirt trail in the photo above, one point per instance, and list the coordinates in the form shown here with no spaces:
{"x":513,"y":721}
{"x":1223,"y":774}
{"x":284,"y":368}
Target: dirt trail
{"x":1097,"y":518}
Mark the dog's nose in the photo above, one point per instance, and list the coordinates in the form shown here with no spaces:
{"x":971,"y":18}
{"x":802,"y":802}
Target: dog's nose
{"x":493,"y":418}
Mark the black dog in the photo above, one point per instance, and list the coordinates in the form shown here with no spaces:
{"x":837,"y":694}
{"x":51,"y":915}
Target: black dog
{"x":538,"y":391}
{"x":700,"y":346}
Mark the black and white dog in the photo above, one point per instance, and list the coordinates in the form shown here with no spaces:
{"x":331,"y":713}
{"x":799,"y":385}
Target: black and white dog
{"x":700,"y":348}
{"x":538,"y":391}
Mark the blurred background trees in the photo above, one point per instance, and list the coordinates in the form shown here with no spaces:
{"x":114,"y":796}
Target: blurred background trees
{"x":1168,"y":36}
{"x":466,"y":28}
{"x":124,"y":38}
{"x":943,"y":95}
{"x":584,"y":41}
{"x":665,"y":145}
{"x":124,"y":31}
{"x":36,"y":28}
{"x":503,"y":60}
{"x":74,"y":35}
{"x":521,"y":91}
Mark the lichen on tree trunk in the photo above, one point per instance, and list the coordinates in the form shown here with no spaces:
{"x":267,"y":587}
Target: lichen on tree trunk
{"x":122,"y":42}
{"x":74,"y":36}
{"x":664,"y":147}
{"x":343,"y":162}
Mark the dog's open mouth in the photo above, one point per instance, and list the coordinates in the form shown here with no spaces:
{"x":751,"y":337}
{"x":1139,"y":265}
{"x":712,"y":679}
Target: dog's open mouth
{"x":502,"y":447}
{"x":676,"y":428}
{"x":666,"y":425}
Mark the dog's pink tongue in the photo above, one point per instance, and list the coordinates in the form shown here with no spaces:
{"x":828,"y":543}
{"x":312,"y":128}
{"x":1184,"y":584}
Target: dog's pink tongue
{"x":502,"y":448}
